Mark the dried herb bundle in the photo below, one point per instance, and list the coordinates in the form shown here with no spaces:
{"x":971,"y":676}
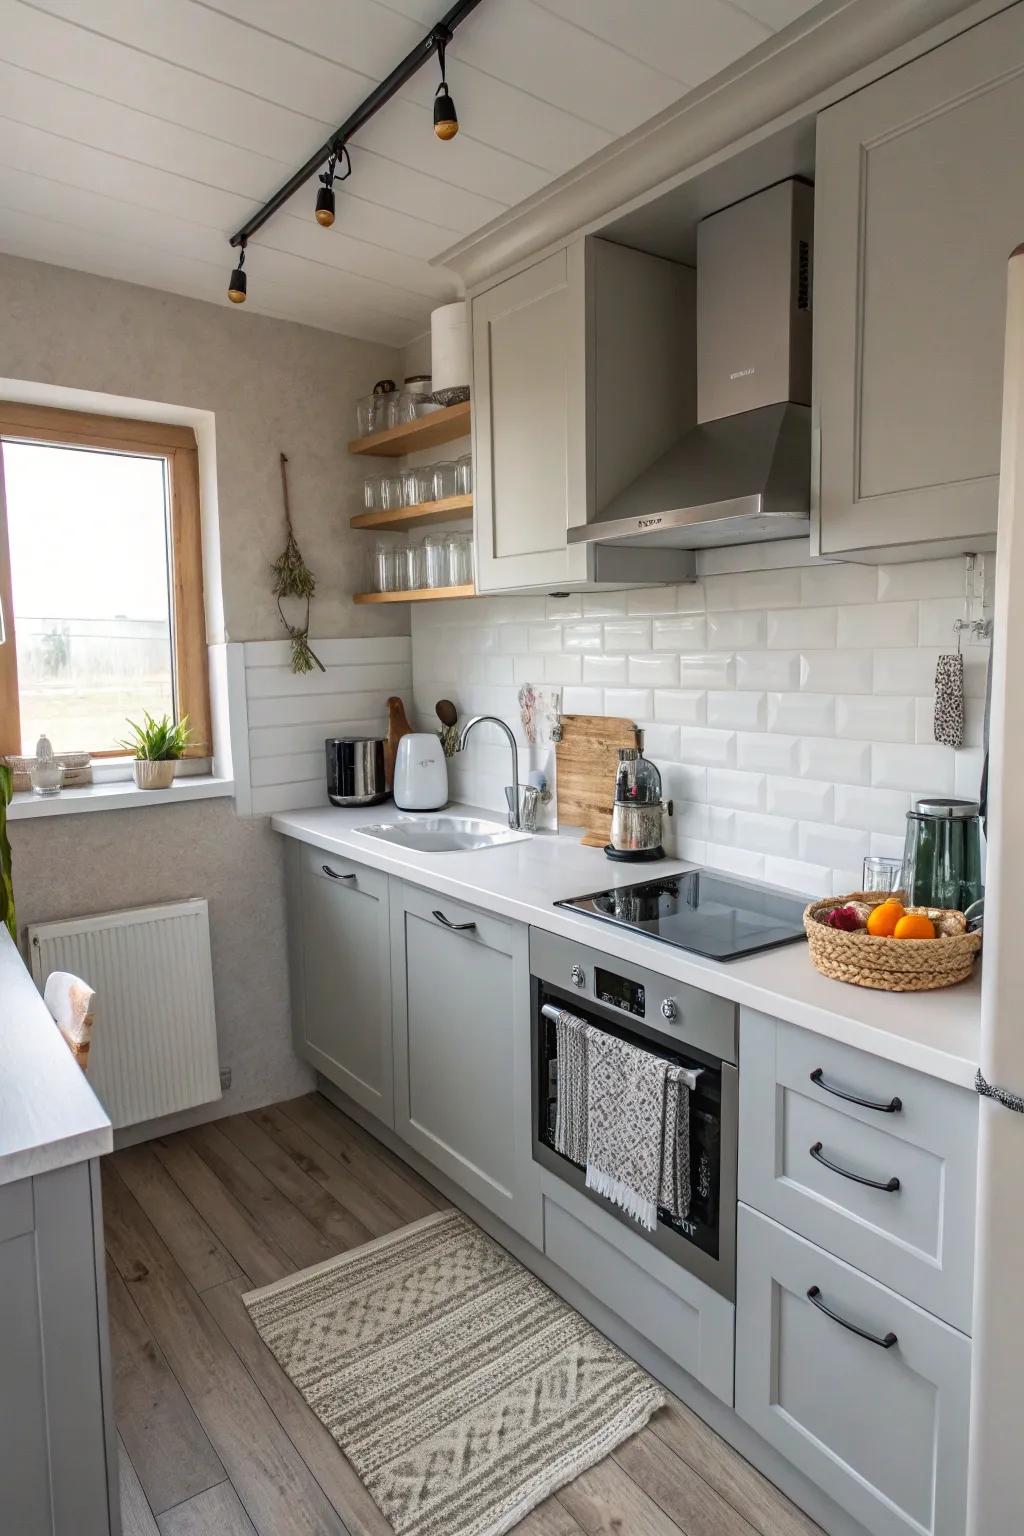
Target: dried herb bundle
{"x":294,"y":579}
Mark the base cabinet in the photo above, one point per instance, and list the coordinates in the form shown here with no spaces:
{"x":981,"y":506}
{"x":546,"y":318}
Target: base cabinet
{"x":460,"y":980}
{"x":341,"y":978}
{"x":870,"y":1399}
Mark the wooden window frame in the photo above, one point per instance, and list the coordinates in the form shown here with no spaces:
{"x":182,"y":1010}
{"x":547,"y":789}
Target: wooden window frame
{"x":176,"y":446}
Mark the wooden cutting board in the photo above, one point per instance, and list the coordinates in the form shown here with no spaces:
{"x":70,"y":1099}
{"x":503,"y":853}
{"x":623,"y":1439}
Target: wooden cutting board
{"x":586,"y":761}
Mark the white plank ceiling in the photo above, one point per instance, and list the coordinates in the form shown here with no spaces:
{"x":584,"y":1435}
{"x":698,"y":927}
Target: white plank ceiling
{"x":136,"y":135}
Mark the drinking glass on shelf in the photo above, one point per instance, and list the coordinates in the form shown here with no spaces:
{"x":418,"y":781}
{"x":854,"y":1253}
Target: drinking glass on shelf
{"x":882,"y":874}
{"x":365,"y":415}
{"x":435,"y":560}
{"x":446,"y":479}
{"x":373,"y":493}
{"x":464,"y":474}
{"x":385,"y":567}
{"x":413,"y":577}
{"x":459,"y":550}
{"x":419,"y":485}
{"x":405,"y":406}
{"x":393,"y":491}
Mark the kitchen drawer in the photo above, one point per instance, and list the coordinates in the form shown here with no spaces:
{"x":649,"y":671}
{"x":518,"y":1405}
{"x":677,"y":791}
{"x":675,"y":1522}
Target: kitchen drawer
{"x":882,"y":1430}
{"x":683,"y":1317}
{"x":917,"y":1237}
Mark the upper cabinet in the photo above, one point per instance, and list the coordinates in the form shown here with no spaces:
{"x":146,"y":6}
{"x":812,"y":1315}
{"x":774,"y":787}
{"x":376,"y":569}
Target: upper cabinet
{"x":583,"y":374}
{"x":917,"y":206}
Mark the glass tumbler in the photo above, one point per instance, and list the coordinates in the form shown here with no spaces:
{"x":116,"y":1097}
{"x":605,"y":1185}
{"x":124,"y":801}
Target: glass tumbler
{"x":446,"y":480}
{"x":459,"y":547}
{"x":880,"y":874}
{"x":365,"y":415}
{"x":373,"y":493}
{"x":435,"y":560}
{"x":412,"y":567}
{"x":419,"y":485}
{"x":464,"y":474}
{"x":393,"y":491}
{"x":385,"y":568}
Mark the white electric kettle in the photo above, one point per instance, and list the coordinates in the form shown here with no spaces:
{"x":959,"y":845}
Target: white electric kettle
{"x":421,"y":773}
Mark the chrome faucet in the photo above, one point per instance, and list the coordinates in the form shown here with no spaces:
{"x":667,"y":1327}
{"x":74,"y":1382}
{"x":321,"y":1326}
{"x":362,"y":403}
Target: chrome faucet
{"x":512,"y":791}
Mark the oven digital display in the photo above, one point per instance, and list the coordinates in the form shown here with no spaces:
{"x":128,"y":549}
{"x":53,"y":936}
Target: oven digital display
{"x":620,"y":992}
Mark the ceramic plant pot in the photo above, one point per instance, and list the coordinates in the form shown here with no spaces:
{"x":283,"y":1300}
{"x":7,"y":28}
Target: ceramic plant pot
{"x":153,"y":773}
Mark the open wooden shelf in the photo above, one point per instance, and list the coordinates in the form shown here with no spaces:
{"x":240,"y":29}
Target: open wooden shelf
{"x":420,"y":595}
{"x":431,"y":431}
{"x":417,"y":516}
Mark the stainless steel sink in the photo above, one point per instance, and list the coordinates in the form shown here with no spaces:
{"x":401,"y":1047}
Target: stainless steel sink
{"x":443,"y":834}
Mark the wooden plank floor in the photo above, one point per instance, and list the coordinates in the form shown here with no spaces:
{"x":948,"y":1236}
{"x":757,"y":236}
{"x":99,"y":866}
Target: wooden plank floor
{"x":213,"y":1438}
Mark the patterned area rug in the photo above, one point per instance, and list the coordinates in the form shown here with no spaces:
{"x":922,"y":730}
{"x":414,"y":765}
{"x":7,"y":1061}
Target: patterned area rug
{"x":461,"y":1388}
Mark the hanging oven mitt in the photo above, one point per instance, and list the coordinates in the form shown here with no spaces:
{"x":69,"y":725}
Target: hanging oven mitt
{"x":949,"y":700}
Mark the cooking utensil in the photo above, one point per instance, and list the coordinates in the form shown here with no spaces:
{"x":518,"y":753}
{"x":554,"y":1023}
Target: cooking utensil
{"x":449,"y":718}
{"x":355,"y":770}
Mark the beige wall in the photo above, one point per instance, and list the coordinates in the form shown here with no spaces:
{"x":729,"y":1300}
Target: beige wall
{"x":274,"y":387}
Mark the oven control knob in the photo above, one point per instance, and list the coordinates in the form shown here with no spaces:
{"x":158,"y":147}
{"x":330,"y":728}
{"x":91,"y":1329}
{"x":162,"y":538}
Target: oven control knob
{"x":577,"y":976}
{"x":669,"y":1010}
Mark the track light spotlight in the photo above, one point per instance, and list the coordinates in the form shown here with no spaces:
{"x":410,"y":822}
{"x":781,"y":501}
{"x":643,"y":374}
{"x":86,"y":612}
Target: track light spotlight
{"x":236,"y":287}
{"x":446,"y":119}
{"x":325,"y":196}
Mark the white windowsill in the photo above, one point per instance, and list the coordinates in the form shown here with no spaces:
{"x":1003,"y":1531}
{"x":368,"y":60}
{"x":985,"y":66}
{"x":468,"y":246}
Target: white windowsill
{"x":117,"y":795}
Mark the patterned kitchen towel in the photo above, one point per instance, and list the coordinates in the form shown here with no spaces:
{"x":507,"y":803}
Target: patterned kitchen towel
{"x":949,"y":700}
{"x":675,"y":1191}
{"x":625,"y":1124}
{"x":571,"y":1100}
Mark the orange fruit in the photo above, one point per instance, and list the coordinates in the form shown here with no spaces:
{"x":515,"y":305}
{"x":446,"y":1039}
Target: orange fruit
{"x":882,"y":920}
{"x":914,"y":925}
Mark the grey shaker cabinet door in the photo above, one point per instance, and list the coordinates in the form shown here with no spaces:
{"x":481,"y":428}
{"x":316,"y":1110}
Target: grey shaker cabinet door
{"x":917,"y":1238}
{"x":341,"y":976}
{"x":462,"y":1050}
{"x":883,"y":1431}
{"x":917,"y":207}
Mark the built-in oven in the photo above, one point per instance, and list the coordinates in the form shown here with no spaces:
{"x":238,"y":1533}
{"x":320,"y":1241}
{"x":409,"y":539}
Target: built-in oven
{"x":694,"y":1030}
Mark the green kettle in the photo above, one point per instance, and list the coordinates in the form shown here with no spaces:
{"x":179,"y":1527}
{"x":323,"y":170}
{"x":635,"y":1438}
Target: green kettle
{"x":942,"y":854}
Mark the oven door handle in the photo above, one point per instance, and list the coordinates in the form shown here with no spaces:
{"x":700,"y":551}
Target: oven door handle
{"x":688,"y":1076}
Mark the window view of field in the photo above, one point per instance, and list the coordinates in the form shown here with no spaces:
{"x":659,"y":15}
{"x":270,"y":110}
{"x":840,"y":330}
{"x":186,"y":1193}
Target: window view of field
{"x":89,"y":566}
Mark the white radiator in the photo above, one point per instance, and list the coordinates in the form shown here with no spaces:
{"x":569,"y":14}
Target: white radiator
{"x":154,"y":1044}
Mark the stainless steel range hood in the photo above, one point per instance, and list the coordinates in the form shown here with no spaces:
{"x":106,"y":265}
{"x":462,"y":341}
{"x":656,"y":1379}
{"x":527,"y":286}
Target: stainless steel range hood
{"x":740,"y":480}
{"x":742,"y":474}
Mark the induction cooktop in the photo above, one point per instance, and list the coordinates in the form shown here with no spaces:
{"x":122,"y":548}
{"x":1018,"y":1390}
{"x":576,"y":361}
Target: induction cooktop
{"x":714,"y":915}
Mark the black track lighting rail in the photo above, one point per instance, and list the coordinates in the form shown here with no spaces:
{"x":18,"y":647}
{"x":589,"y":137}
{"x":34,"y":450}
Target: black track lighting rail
{"x":437,"y":38}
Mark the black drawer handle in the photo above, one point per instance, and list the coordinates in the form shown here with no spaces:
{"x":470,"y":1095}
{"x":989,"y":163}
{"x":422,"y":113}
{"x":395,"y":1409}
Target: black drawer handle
{"x":892,"y":1108}
{"x":814,"y":1297}
{"x":334,"y":873}
{"x":890,"y":1186}
{"x":455,"y":927}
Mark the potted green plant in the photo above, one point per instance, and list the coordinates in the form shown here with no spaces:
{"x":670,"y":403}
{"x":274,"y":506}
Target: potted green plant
{"x":6,"y":887}
{"x":156,"y":746}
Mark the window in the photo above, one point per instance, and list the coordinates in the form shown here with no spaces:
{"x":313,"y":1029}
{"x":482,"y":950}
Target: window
{"x":100,"y":580}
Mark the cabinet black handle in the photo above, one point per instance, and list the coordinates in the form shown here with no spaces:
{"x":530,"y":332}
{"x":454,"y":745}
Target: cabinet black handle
{"x":892,"y":1108}
{"x":455,"y":927}
{"x":334,"y":873}
{"x":890,"y":1186}
{"x":887,"y":1342}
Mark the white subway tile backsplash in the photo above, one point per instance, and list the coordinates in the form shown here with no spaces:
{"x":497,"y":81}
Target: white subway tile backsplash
{"x":688,"y":706}
{"x":872,"y":810}
{"x":870,"y":718}
{"x":768,"y":753}
{"x":841,"y":583}
{"x":632,"y":703}
{"x":605,"y":671}
{"x":802,"y":714}
{"x":753,"y":589}
{"x":802,"y":628}
{"x":739,"y":791}
{"x":840,"y":762}
{"x":810,"y":799}
{"x":836,"y":671}
{"x":682,"y":632}
{"x":922,"y":770}
{"x":877,"y":624}
{"x":789,"y":711}
{"x":627,"y":636}
{"x":735,"y":631}
{"x":654,"y":671}
{"x":708,"y":669}
{"x":778,"y":670}
{"x":736,"y":711}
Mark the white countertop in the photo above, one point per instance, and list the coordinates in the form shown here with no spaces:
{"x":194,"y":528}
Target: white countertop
{"x":934,"y":1032}
{"x":49,"y":1116}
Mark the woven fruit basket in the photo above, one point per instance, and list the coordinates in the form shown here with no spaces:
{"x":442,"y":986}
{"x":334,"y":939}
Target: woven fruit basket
{"x":890,"y":965}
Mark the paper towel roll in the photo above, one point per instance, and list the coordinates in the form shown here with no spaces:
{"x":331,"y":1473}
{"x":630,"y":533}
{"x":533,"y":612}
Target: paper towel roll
{"x":449,"y":348}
